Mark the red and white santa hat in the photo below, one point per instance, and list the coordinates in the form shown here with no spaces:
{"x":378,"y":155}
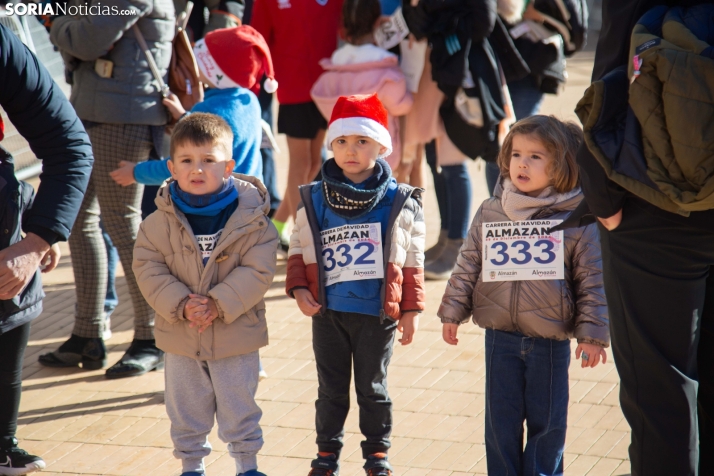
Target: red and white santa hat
{"x":362,"y":115}
{"x":236,"y":57}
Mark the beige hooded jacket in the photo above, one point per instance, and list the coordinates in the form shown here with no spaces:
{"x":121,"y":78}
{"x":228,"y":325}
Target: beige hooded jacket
{"x":552,"y":309}
{"x":168,"y":267}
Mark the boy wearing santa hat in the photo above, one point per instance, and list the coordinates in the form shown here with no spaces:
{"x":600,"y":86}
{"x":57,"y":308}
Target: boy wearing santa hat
{"x":355,"y":264}
{"x":231,"y":62}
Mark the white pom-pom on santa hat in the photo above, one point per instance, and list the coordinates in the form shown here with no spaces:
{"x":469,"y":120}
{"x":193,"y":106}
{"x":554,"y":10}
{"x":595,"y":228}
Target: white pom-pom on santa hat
{"x":363,"y":115}
{"x":270,"y":85}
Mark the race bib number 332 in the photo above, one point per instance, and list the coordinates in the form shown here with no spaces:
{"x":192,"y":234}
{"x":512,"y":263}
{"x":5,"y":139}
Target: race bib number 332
{"x":352,"y":252}
{"x":522,"y":251}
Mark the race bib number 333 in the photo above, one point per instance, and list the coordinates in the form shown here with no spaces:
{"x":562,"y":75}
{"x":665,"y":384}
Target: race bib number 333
{"x":352,"y":252}
{"x":522,"y":251}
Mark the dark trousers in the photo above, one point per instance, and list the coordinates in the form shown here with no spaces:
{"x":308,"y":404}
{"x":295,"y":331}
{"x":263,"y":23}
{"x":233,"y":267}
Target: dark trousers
{"x":526,"y":380}
{"x":12,"y":349}
{"x":660,"y":293}
{"x":453,"y":194}
{"x":340,"y":339}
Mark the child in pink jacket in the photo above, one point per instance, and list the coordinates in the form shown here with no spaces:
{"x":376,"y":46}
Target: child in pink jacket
{"x":361,"y":67}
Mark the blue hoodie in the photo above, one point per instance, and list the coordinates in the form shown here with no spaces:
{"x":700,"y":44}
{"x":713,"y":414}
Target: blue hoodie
{"x":239,"y":107}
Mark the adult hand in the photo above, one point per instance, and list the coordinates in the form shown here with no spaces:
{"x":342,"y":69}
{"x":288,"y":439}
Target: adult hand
{"x":408,"y":325}
{"x":306,"y":302}
{"x":591,"y":354}
{"x":612,"y":222}
{"x":18,"y":264}
{"x":51,"y":258}
{"x":448,"y":333}
{"x":173,"y":104}
{"x":124,"y":175}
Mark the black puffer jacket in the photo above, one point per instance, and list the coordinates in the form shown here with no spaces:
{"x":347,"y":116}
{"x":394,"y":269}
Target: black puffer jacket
{"x":42,"y":114}
{"x":453,"y":28}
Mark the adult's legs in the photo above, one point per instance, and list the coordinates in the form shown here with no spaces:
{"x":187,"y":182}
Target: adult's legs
{"x":546,"y":399}
{"x":705,"y":396}
{"x":270,"y":177}
{"x":12,"y":350}
{"x":458,"y":192}
{"x":442,"y":200}
{"x":305,"y":162}
{"x":121,"y":206}
{"x":111,"y":299}
{"x":505,"y":403}
{"x":656,"y":282}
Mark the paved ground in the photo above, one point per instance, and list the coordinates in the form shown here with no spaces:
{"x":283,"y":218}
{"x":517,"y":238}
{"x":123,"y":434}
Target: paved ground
{"x":83,"y":424}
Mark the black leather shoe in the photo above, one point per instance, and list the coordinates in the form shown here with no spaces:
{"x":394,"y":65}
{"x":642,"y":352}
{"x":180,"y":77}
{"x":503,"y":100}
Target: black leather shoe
{"x":142,"y":356}
{"x":89,"y":352}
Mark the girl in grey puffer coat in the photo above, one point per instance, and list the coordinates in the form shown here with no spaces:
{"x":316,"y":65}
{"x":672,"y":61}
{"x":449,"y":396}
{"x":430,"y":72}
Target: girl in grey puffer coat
{"x":529,"y":322}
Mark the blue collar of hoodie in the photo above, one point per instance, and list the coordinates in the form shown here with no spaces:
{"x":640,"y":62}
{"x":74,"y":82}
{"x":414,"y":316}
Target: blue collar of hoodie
{"x":204,"y":205}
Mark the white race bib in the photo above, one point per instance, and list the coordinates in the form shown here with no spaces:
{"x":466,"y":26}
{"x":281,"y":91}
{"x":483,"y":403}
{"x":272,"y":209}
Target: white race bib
{"x":352,"y":252}
{"x":522,"y":251}
{"x":207,"y":243}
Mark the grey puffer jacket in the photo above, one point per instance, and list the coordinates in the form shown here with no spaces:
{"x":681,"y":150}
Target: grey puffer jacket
{"x":552,"y":309}
{"x":131,"y":95}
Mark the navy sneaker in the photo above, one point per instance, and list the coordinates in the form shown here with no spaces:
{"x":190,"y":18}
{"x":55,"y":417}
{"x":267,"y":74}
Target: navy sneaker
{"x":377,"y":465}
{"x":14,"y":461}
{"x":252,"y":472}
{"x":325,"y":466}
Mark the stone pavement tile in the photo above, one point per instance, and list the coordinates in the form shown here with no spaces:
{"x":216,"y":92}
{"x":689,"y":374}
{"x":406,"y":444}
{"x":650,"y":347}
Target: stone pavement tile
{"x":579,"y":389}
{"x":413,"y":448}
{"x":620,"y":450}
{"x":454,"y":452}
{"x":624,"y":469}
{"x":79,"y":460}
{"x":611,"y":419}
{"x":446,"y":429}
{"x":587,"y":439}
{"x":282,"y":440}
{"x":607,"y":442}
{"x":592,"y":416}
{"x":599,"y":392}
{"x":426,"y":457}
{"x":581,"y":465}
{"x":605,"y":467}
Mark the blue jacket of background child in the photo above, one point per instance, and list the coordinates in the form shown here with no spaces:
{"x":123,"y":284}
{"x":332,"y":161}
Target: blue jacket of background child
{"x":239,"y":107}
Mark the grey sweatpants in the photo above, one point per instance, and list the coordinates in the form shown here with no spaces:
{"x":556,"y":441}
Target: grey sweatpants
{"x":199,"y":391}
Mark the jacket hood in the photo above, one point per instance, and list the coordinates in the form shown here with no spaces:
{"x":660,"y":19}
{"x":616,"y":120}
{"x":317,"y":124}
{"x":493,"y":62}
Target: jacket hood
{"x":253,"y":198}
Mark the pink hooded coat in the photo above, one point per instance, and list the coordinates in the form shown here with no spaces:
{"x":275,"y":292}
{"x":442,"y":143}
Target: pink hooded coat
{"x":358,"y":76}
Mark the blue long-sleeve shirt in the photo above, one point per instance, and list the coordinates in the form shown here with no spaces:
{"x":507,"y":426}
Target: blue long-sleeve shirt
{"x":239,"y":107}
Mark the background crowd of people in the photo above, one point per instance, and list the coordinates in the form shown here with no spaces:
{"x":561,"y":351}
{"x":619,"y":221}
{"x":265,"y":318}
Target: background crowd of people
{"x":481,"y":65}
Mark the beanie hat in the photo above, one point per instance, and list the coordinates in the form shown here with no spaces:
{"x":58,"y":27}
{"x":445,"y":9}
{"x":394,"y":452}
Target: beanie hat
{"x":235,"y":57}
{"x":362,"y":115}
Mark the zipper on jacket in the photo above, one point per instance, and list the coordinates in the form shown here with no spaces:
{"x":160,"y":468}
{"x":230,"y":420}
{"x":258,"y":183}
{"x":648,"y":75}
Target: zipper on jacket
{"x":514,"y":304}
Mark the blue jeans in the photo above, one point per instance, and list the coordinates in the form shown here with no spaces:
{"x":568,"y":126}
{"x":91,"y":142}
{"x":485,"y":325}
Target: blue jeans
{"x":526,"y":380}
{"x":453,"y":194}
{"x":527,"y":99}
{"x":111,"y":299}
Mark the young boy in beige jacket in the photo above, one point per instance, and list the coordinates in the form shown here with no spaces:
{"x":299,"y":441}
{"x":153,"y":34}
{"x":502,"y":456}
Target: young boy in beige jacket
{"x":203,"y":261}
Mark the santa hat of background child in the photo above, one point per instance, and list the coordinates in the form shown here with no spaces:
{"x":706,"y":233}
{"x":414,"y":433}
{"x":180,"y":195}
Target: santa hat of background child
{"x":360,"y":116}
{"x":236,"y":57}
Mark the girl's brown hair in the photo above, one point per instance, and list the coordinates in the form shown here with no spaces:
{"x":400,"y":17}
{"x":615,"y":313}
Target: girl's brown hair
{"x":561,"y":139}
{"x":359,"y":18}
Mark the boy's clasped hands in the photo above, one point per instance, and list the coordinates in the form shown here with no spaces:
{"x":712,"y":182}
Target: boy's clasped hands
{"x":201,"y":311}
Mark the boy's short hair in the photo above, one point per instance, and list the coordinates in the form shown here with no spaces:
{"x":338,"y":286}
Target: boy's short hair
{"x":201,"y":128}
{"x":561,"y":139}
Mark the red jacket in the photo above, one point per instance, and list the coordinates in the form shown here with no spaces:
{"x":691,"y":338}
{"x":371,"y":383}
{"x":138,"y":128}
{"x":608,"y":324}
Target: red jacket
{"x":299,"y":33}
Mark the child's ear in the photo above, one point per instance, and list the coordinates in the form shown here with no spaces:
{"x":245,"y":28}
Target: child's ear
{"x":170,"y":165}
{"x":230,"y":165}
{"x":382,"y":150}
